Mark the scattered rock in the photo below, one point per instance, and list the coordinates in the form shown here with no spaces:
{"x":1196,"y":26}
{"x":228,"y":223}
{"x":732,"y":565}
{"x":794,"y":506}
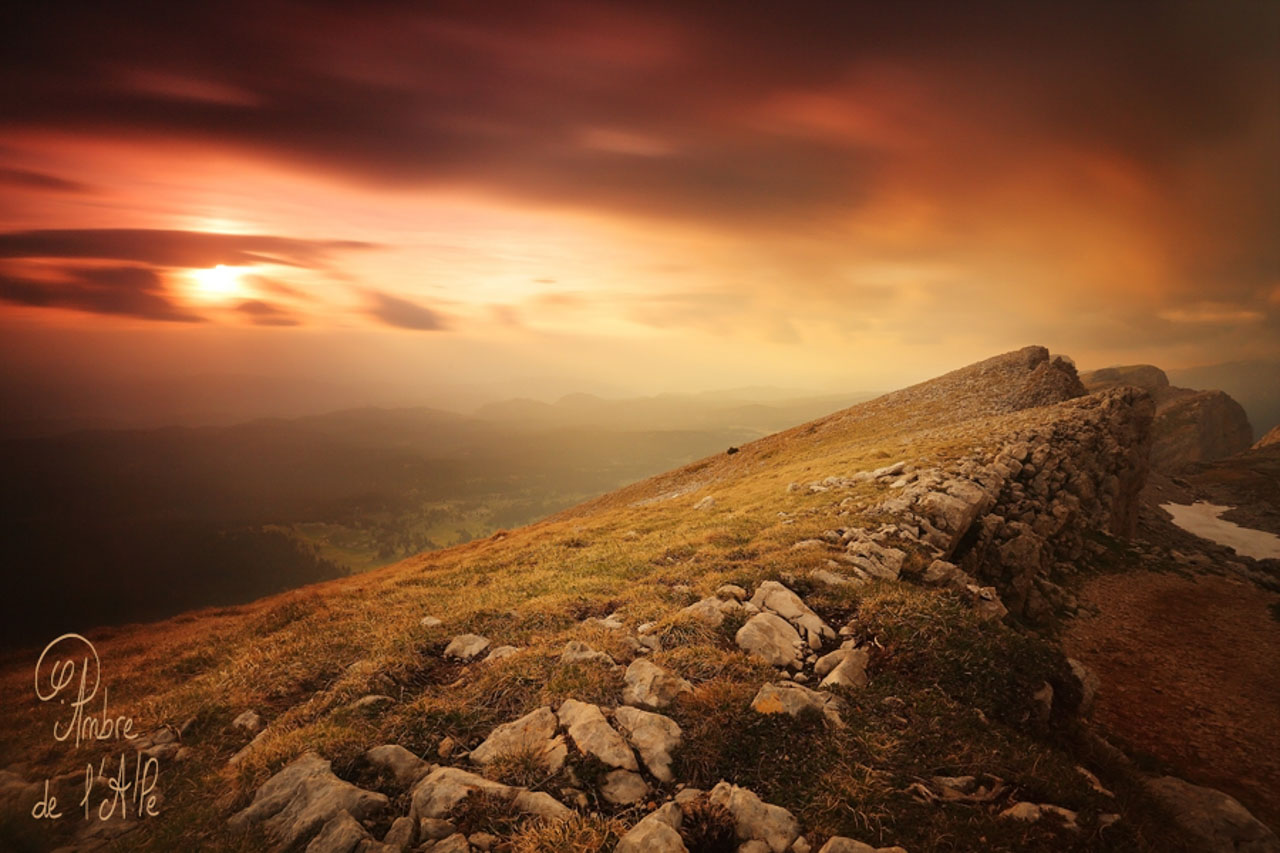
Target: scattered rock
{"x":654,"y":736}
{"x":657,"y":833}
{"x":399,"y":763}
{"x":774,"y":597}
{"x":840,"y":844}
{"x":772,"y":639}
{"x":402,"y":834}
{"x":1032,"y":812}
{"x":1087,"y":681}
{"x":850,"y":670}
{"x":706,"y":503}
{"x":594,"y":736}
{"x":623,"y":787}
{"x":466,"y":647}
{"x":456,"y":843}
{"x":430,"y":622}
{"x":756,"y":820}
{"x":248,"y":721}
{"x":434,"y":829}
{"x":794,"y":699}
{"x":294,"y":804}
{"x":533,"y":734}
{"x":340,"y":835}
{"x":445,"y":787}
{"x":576,"y":651}
{"x":731,"y":592}
{"x":501,"y":653}
{"x":650,"y":686}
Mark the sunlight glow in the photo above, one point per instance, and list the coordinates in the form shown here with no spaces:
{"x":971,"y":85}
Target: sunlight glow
{"x":220,"y":282}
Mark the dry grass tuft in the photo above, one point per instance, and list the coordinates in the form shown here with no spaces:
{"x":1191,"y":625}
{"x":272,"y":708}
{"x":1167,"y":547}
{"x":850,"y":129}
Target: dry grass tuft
{"x":708,"y":828}
{"x":577,"y":834}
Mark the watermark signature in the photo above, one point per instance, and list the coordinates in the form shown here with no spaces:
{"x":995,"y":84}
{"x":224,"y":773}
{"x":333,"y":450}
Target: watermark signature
{"x":70,"y":672}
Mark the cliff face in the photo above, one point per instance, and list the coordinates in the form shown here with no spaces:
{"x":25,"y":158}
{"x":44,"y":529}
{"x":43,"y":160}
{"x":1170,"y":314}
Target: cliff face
{"x":1190,"y":426}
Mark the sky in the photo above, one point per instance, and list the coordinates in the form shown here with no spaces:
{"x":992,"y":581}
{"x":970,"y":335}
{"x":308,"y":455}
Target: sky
{"x":469,"y":200}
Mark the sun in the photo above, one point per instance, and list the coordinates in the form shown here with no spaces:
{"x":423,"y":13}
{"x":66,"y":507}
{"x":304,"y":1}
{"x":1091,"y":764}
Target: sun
{"x":220,"y":282}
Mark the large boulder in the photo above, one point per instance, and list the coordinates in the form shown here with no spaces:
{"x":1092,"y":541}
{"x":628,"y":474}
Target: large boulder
{"x":294,"y":804}
{"x":1217,"y":822}
{"x":772,"y":639}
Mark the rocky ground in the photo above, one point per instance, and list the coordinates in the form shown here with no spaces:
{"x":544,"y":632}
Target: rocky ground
{"x":840,"y":638}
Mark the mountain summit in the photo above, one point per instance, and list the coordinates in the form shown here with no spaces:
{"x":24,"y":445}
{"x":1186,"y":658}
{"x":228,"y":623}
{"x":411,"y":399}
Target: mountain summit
{"x":837,"y":638}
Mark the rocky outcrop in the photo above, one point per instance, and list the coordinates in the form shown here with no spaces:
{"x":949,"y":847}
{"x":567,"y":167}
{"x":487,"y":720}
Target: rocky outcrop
{"x":1017,"y":517}
{"x":1190,"y":426}
{"x":1272,"y":437}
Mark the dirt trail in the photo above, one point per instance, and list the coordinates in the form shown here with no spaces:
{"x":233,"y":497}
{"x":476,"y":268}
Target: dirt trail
{"x":1190,"y":671}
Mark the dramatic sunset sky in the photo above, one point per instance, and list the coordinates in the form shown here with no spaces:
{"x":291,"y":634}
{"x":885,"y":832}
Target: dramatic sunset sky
{"x":543,"y":197}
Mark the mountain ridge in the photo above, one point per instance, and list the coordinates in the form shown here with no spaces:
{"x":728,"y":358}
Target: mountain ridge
{"x":840,"y":634}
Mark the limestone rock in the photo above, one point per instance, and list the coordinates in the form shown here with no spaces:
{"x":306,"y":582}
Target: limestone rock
{"x":534,"y":733}
{"x":398,"y":762}
{"x":576,"y":651}
{"x":654,"y":736}
{"x":294,"y":804}
{"x":731,"y":592}
{"x":776,"y":598}
{"x":1032,"y":812}
{"x":623,"y":787}
{"x":248,"y":721}
{"x":1218,"y":822}
{"x":756,"y":820}
{"x":501,"y":653}
{"x":434,"y":829}
{"x":442,"y":789}
{"x":840,"y":844}
{"x":466,"y":647}
{"x":851,"y":671}
{"x":340,"y":835}
{"x":456,"y":843}
{"x":402,"y":834}
{"x":650,"y":686}
{"x":794,"y":699}
{"x":594,"y":736}
{"x":657,"y":833}
{"x":772,"y":639}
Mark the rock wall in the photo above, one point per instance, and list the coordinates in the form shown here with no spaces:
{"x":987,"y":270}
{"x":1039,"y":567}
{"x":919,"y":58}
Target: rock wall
{"x":1022,"y":518}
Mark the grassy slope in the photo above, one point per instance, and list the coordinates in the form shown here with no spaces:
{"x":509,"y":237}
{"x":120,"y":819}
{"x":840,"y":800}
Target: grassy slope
{"x":949,"y":695}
